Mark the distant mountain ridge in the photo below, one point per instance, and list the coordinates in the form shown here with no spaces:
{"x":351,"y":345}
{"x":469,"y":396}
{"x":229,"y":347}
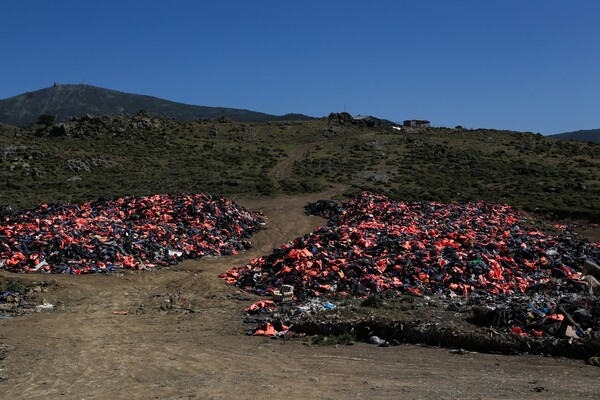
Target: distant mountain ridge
{"x":69,"y":100}
{"x":589,"y":135}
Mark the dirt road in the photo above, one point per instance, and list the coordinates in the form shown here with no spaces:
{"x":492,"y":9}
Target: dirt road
{"x":82,"y":350}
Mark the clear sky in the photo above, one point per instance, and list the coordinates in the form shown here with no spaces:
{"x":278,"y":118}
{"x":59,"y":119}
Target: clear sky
{"x":527,"y":65}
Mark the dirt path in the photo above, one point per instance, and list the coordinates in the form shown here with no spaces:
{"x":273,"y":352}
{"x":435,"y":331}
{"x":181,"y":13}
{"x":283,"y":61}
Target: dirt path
{"x":83,"y":351}
{"x":284,"y":168}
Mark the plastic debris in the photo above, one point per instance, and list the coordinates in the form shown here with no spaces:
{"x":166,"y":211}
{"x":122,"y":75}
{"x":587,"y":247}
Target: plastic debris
{"x":478,"y":251}
{"x":8,"y":296}
{"x":376,"y":245}
{"x":45,"y":306}
{"x":378,"y":341}
{"x":315,"y":305}
{"x":132,"y":232}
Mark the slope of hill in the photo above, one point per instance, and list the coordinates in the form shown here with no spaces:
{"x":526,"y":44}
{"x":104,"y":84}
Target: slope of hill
{"x":589,"y":135}
{"x":128,"y":155}
{"x":66,"y":101}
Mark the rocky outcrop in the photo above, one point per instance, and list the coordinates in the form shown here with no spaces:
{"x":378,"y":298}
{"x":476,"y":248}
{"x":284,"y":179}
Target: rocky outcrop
{"x":119,"y":125}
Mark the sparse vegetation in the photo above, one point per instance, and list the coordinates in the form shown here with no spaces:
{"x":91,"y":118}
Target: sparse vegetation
{"x":528,"y":171}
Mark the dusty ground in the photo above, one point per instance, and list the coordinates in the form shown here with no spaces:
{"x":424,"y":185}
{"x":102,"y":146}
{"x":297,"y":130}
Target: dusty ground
{"x":163,"y":350}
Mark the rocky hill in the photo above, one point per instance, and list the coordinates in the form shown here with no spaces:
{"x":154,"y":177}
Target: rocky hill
{"x":590,"y":135}
{"x":65,"y":101}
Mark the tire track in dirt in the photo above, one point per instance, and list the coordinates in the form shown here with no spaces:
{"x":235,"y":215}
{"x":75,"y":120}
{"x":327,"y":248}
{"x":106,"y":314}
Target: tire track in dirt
{"x":283,"y":169}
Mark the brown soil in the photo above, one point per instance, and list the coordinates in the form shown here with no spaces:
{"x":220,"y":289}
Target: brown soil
{"x":183,"y":337}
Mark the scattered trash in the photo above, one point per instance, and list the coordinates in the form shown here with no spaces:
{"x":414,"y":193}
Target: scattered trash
{"x":132,"y":232}
{"x":261,"y":307}
{"x":378,"y":341}
{"x":9,"y":296}
{"x":45,"y":306}
{"x":40,"y":265}
{"x":460,"y":352}
{"x":593,"y":361}
{"x":315,"y":305}
{"x":120,"y":312}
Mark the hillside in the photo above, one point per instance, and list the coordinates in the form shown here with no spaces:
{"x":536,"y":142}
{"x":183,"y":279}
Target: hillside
{"x":114,"y":156}
{"x":589,"y":135}
{"x":66,"y":101}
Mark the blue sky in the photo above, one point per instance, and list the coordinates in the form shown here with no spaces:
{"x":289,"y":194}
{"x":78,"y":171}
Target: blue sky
{"x":527,"y":65}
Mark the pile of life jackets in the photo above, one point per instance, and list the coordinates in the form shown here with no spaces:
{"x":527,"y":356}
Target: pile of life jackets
{"x":376,"y":245}
{"x":132,"y":232}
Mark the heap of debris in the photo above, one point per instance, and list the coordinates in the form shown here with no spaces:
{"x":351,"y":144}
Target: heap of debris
{"x":323,"y":208}
{"x":478,"y":252}
{"x":132,"y":232}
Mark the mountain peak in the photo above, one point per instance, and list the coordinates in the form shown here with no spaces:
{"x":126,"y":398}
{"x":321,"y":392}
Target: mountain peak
{"x":67,"y":100}
{"x":589,"y":135}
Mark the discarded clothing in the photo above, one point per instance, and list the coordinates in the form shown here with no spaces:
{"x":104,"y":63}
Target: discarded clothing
{"x":323,"y":208}
{"x":261,"y":307}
